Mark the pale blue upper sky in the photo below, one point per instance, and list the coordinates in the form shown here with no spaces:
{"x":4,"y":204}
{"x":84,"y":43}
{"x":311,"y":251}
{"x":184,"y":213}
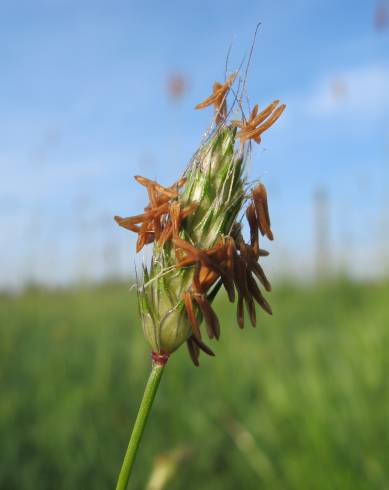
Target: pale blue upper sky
{"x":84,"y":107}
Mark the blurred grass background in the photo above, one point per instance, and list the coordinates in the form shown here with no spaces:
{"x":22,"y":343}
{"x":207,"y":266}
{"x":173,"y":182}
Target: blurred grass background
{"x":300,"y":402}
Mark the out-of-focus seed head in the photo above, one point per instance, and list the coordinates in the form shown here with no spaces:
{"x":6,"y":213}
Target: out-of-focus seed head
{"x":198,"y":245}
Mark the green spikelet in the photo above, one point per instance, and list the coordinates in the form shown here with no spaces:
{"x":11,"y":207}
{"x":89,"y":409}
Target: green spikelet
{"x":215,"y":183}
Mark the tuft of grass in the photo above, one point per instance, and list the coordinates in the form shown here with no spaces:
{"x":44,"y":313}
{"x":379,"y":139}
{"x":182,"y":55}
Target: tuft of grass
{"x":299,"y":402}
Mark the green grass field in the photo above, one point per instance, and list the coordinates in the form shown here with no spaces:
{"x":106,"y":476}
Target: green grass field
{"x":300,"y":402}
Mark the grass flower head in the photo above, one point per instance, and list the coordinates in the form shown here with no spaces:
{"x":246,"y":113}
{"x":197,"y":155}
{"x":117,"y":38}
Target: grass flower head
{"x":195,"y":227}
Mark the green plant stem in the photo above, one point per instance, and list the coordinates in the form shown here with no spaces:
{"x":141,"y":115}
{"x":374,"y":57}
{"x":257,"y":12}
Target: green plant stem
{"x":140,"y":422}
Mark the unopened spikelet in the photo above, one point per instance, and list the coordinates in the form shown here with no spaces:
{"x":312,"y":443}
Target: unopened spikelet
{"x":196,"y":234}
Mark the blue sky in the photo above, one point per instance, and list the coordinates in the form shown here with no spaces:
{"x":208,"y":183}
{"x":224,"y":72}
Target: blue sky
{"x":84,"y":107}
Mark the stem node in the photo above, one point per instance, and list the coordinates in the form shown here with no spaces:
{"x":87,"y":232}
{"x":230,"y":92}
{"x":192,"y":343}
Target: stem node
{"x":159,"y":358}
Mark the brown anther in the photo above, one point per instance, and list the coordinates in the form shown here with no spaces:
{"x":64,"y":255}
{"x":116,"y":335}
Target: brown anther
{"x":142,"y":236}
{"x":218,"y":253}
{"x":240,"y":312}
{"x":262,"y":210}
{"x":254,"y":112}
{"x":203,"y":346}
{"x":258,"y":119}
{"x":170,"y":192}
{"x":125,"y":223}
{"x":231,"y":251}
{"x":193,"y":350}
{"x":271,"y":120}
{"x":228,"y":276}
{"x":248,"y":255}
{"x":166,"y":234}
{"x":196,"y":285}
{"x":153,"y":196}
{"x":210,"y":265}
{"x":245,"y":265}
{"x":240,"y":270}
{"x":257,"y":295}
{"x":253,"y":224}
{"x":207,"y":277}
{"x":199,"y":254}
{"x":191,"y":314}
{"x":176,"y":217}
{"x":157,"y":226}
{"x":219,"y":99}
{"x":162,"y":217}
{"x":259,"y":272}
{"x":210,"y":317}
{"x":258,"y":123}
{"x":150,"y":214}
{"x":251,"y":308}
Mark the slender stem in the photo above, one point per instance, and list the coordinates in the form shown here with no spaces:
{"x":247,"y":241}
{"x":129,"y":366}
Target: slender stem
{"x":140,"y":422}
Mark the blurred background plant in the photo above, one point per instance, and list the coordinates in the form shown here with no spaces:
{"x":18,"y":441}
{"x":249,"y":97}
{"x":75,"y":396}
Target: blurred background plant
{"x":307,"y":407}
{"x":91,"y":95}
